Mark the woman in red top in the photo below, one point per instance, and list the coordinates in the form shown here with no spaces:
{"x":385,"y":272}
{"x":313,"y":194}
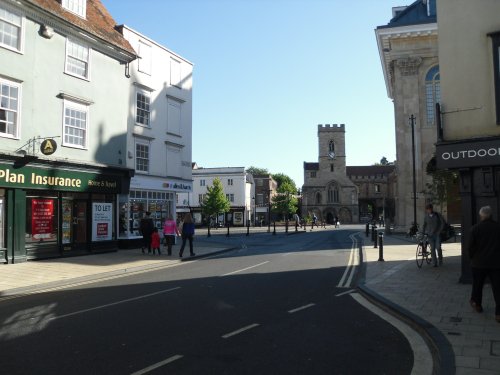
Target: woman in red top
{"x":155,"y":241}
{"x":169,"y":232}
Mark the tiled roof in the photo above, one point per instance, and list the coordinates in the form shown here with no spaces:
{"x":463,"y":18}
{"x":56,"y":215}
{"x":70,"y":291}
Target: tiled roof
{"x":369,"y":170}
{"x":98,"y":21}
{"x":311,"y":166}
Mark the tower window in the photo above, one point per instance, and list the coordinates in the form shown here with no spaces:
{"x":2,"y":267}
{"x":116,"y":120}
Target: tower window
{"x":331,"y":147}
{"x":331,"y":168}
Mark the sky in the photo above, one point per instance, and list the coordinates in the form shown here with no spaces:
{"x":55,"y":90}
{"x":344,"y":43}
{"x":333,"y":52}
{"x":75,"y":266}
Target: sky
{"x":267,"y":72}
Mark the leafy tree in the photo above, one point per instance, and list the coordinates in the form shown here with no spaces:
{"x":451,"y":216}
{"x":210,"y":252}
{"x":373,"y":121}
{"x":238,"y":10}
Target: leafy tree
{"x":215,"y":201}
{"x":256,"y":170}
{"x":282,"y":178}
{"x":285,"y":202}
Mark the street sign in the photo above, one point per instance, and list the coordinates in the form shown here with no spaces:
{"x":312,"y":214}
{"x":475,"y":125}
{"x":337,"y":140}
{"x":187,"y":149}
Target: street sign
{"x":48,"y":147}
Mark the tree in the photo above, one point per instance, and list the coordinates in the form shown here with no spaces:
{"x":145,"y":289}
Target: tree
{"x":282,"y":178}
{"x":215,"y":201}
{"x":440,"y":187}
{"x":285,"y":202}
{"x":256,"y":170}
{"x":384,"y":161}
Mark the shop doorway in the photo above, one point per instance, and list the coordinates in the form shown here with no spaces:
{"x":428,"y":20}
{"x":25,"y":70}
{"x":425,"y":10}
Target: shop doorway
{"x":79,"y":222}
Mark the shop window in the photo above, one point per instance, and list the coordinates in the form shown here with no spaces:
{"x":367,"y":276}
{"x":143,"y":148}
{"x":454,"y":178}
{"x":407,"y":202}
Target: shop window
{"x":41,"y":220}
{"x":158,"y":203}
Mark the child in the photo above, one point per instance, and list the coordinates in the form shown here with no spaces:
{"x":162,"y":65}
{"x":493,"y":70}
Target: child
{"x":155,"y":241}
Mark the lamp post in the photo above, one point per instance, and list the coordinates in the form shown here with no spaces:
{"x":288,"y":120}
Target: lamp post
{"x":412,"y":123}
{"x":269,"y":211}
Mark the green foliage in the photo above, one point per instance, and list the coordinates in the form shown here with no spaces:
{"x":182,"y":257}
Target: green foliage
{"x":215,"y":201}
{"x":285,"y":202}
{"x":256,"y":170}
{"x":282,"y":178}
{"x":438,"y":190}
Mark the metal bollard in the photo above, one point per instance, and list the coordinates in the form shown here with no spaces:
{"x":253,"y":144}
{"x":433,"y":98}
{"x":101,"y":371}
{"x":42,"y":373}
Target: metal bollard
{"x":248,"y":229}
{"x":296,"y":227}
{"x":274,"y":231}
{"x":381,"y":246}
{"x":286,"y":226}
{"x":367,"y":230}
{"x":227,"y":235}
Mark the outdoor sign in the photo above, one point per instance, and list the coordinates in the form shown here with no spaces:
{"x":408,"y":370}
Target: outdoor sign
{"x":48,"y":147}
{"x":238,"y":218}
{"x":58,"y":179}
{"x":476,"y":153}
{"x":102,"y":221}
{"x":42,"y":213}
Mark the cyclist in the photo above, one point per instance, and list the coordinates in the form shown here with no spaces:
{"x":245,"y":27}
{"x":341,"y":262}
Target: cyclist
{"x":433,"y":225}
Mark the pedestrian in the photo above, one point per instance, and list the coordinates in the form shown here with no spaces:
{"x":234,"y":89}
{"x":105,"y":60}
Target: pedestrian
{"x":314,"y":221}
{"x":297,"y":220}
{"x":187,"y":234}
{"x":433,"y":225}
{"x":155,"y":241}
{"x":484,"y":252}
{"x":169,"y":232}
{"x":336,"y":221}
{"x":146,"y":229}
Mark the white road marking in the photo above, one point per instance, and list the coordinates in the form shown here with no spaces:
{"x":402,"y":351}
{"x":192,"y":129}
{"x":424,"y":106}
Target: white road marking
{"x":344,"y":293}
{"x":231,"y":334}
{"x":158,"y":365}
{"x":245,"y":269}
{"x":421,"y":352}
{"x":301,"y":308}
{"x":287,"y":254}
{"x":114,"y":303}
{"x":351,"y":265}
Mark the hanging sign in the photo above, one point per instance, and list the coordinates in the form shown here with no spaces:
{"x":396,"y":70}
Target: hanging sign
{"x":42,"y":218}
{"x":102,"y":221}
{"x":48,"y":147}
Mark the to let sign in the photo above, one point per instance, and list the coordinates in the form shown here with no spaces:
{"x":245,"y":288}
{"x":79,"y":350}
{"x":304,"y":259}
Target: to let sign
{"x":42,"y":212}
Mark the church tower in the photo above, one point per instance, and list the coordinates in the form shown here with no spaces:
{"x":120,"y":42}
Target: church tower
{"x":327,"y":191}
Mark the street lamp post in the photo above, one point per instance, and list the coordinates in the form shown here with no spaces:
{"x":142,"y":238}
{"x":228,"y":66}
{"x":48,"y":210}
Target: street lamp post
{"x":269,"y":211}
{"x":412,"y":123}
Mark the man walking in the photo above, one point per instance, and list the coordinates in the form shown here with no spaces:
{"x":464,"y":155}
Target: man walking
{"x":484,"y":253}
{"x":433,"y":225}
{"x":146,"y":229}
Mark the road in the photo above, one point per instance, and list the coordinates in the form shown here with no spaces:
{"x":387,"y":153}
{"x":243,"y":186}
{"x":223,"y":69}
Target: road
{"x":278,"y":305}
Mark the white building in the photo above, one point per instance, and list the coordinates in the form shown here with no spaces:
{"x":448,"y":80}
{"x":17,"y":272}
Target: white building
{"x":159,"y":141}
{"x":239,"y":189}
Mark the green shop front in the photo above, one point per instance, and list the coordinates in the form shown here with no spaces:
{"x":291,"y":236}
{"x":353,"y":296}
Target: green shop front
{"x":58,"y":209}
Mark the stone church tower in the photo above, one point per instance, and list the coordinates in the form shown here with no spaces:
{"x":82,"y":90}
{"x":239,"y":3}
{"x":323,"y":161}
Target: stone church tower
{"x":327,"y":191}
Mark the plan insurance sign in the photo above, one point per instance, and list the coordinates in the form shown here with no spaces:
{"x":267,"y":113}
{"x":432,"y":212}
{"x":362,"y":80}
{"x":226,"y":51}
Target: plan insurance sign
{"x":102,"y":222}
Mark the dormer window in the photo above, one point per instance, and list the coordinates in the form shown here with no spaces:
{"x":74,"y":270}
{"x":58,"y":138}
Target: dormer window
{"x":78,"y":7}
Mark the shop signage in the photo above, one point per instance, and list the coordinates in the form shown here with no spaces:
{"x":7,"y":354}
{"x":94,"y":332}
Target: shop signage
{"x":48,"y":147}
{"x":178,"y":186}
{"x":42,"y":214}
{"x":238,"y":218}
{"x":58,"y":179}
{"x":102,"y":221}
{"x":468,"y":154}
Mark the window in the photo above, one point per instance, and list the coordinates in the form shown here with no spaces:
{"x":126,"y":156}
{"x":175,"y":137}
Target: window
{"x":230,"y":197}
{"x":11,"y":26}
{"x":75,"y":124}
{"x":377,"y":188}
{"x":318,"y":198}
{"x":331,"y":147}
{"x":432,"y":93}
{"x":10,"y":94}
{"x":260,"y":199}
{"x":173,"y":117}
{"x":333,"y":194}
{"x":142,"y":113}
{"x":78,"y":7}
{"x":77,"y":59}
{"x":202,"y":182}
{"x":496,"y":67}
{"x":175,"y":73}
{"x":201,"y":198}
{"x":230,"y":182}
{"x":260,"y":182}
{"x":142,"y":157}
{"x":332,"y":168}
{"x":146,"y":58}
{"x":313,"y":174}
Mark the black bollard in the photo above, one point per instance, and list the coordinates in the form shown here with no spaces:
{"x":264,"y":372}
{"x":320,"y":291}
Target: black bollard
{"x":274,"y":231}
{"x":375,"y":242}
{"x":208,"y":233}
{"x":367,"y":230}
{"x":227,"y":235}
{"x":296,"y":227}
{"x":381,"y":246}
{"x":286,"y":226}
{"x":248,"y":229}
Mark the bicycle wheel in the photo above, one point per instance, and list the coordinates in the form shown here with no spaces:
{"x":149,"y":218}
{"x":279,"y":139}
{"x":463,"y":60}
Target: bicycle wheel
{"x":428,"y":256}
{"x":419,"y":255}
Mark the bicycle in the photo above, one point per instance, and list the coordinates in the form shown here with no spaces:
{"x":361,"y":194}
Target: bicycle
{"x":423,"y":250}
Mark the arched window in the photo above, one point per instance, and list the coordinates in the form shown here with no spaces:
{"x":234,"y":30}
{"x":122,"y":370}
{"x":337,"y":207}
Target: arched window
{"x":318,"y":198}
{"x":331,"y":147}
{"x":432,"y":93}
{"x":333,"y":194}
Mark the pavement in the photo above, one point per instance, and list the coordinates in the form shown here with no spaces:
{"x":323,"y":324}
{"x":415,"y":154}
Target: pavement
{"x":430,"y":299}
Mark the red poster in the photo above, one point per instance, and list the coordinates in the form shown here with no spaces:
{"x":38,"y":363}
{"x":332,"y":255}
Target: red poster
{"x":42,"y":218}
